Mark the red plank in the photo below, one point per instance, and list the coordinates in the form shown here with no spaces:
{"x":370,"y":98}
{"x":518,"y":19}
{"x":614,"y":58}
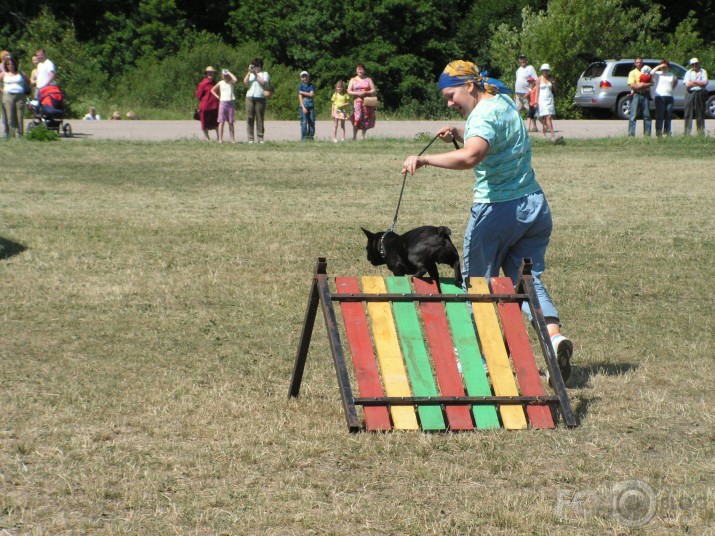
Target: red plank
{"x":442,"y":349}
{"x":522,"y":355}
{"x":363,"y":357}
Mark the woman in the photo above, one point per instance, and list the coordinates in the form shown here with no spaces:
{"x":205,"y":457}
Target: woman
{"x":545,"y":96}
{"x":208,"y":103}
{"x":665,"y":83}
{"x":362,"y":86}
{"x":256,"y":79}
{"x":510,"y":218}
{"x":14,"y":86}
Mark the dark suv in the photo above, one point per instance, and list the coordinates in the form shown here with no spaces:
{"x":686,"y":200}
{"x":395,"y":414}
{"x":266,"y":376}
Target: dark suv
{"x":604,"y":85}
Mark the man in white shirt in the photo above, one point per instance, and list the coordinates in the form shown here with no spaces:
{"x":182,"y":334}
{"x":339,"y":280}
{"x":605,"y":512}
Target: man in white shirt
{"x":45,"y":70}
{"x":695,"y":81}
{"x":521,"y":87}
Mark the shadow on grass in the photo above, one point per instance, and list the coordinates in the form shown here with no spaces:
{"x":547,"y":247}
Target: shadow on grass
{"x":580,"y":376}
{"x":8,"y":248}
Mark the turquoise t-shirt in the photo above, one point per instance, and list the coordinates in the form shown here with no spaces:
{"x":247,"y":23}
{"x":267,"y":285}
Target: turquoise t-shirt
{"x":506,"y":172}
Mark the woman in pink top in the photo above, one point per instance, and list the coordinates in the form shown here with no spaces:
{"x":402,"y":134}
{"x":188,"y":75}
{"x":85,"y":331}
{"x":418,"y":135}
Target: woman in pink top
{"x":362,"y":86}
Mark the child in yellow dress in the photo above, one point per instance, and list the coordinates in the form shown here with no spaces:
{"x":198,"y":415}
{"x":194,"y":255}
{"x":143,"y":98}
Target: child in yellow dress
{"x":339,"y":110}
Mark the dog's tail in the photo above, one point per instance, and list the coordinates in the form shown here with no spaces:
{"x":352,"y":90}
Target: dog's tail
{"x":444,"y":231}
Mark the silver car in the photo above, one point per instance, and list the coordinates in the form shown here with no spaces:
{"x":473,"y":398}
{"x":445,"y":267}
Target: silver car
{"x":604,"y":85}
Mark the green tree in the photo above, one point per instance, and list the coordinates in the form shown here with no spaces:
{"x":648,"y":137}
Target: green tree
{"x":155,"y":29}
{"x":565,"y":30}
{"x":78,"y":71}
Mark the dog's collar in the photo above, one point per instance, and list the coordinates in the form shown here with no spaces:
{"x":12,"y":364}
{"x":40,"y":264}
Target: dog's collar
{"x":381,"y":245}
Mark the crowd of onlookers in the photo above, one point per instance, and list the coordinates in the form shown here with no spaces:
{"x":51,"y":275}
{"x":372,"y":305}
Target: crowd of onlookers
{"x":534,"y":93}
{"x":355,"y":101}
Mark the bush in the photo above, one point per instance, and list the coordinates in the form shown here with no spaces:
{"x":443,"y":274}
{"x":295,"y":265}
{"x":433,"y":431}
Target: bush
{"x":41,"y":133}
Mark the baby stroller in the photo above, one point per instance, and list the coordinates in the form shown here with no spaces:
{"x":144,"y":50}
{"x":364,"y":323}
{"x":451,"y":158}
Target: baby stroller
{"x":49,"y":110}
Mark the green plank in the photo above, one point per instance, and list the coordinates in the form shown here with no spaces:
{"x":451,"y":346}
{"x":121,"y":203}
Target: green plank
{"x":413,"y":348}
{"x":465,"y":340}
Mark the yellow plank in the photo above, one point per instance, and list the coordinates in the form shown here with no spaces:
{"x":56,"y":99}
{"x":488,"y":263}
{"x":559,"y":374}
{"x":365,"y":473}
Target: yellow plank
{"x":392,"y":366}
{"x":492,"y":341}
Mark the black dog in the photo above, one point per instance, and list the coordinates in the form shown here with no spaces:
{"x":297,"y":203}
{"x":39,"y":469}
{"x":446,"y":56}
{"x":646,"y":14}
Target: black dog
{"x":416,"y":252}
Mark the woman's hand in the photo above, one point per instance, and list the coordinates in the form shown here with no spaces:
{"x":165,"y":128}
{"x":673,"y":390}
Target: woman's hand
{"x":446,"y":134}
{"x":413,"y":163}
{"x":449,"y":134}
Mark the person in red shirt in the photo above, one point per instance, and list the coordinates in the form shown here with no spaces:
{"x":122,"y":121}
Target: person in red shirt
{"x":208,"y":103}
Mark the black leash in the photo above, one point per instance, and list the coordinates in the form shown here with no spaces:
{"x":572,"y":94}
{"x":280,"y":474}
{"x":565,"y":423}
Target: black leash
{"x":404,"y":180}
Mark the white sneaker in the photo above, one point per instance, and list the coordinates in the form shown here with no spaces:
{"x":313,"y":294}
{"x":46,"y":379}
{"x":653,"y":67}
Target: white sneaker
{"x":563,"y":348}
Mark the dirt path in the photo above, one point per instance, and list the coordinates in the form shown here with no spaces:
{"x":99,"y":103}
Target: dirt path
{"x":290,"y":130}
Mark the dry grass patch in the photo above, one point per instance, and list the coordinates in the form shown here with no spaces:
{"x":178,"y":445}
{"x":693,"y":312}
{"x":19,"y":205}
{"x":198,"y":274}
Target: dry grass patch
{"x":151,"y":322}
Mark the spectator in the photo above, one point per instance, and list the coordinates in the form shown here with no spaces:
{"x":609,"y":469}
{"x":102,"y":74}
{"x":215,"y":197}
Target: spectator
{"x":695,"y":81}
{"x":547,"y":105}
{"x":306,"y":92}
{"x":227,"y":103}
{"x":131,"y":116}
{"x":510,"y":217}
{"x":362,"y":86}
{"x":640,"y":99}
{"x":533,"y":104}
{"x":663,"y":85}
{"x":116,"y":116}
{"x":45,"y":70}
{"x":208,"y":103}
{"x":522,"y":87}
{"x":14,"y":86}
{"x":256,"y":79}
{"x":3,"y":56}
{"x":339,"y":109}
{"x":33,"y":74}
{"x":92,"y":115}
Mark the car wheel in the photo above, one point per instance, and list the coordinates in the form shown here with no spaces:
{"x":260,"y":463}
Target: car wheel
{"x":623,"y":107}
{"x":710,"y":107}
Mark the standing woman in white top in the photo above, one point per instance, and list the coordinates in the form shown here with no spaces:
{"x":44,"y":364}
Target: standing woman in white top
{"x":545,"y":97}
{"x":665,"y":83}
{"x":14,"y":83}
{"x":256,"y":79}
{"x":227,"y":103}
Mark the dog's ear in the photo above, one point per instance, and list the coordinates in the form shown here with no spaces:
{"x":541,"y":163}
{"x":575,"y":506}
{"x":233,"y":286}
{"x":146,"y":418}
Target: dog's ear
{"x":367,"y":233}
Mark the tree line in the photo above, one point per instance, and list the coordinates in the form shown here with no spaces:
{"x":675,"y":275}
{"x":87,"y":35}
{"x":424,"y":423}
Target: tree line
{"x":149,"y":55}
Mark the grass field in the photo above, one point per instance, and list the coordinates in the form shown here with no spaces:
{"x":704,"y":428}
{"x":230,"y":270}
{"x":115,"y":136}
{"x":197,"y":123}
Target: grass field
{"x":152,"y":300}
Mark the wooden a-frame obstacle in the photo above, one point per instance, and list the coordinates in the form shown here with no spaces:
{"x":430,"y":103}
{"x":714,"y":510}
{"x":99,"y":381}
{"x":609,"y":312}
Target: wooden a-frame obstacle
{"x":430,"y":374}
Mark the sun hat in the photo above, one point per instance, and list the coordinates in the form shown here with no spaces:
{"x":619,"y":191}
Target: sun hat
{"x":545,"y":67}
{"x":693,"y":61}
{"x":209,"y":68}
{"x":304,"y":73}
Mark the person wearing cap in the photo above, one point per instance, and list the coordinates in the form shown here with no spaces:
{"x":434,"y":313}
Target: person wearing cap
{"x":510,"y":218}
{"x":545,"y":86}
{"x":521,"y":86}
{"x":306,"y":93}
{"x":208,"y":103}
{"x":696,"y":78}
{"x":640,"y":99}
